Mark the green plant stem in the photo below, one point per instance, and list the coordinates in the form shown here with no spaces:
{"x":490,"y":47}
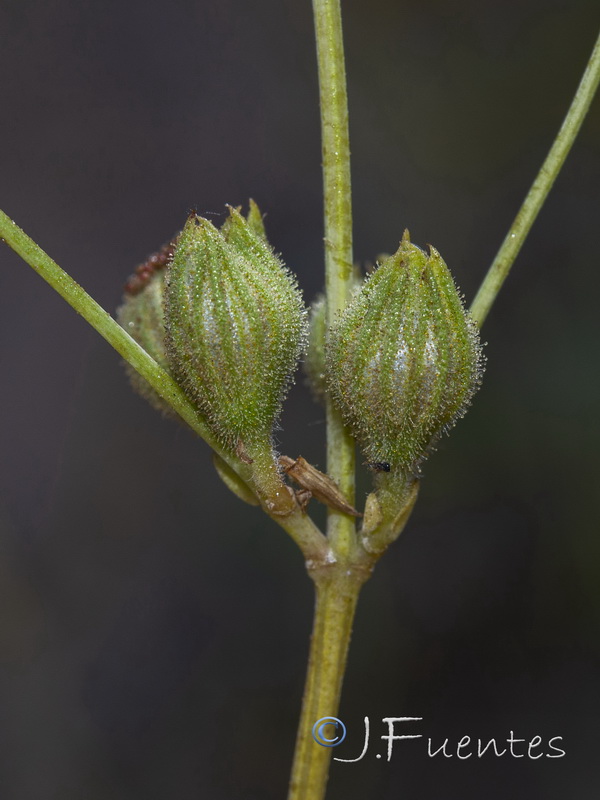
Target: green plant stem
{"x":338,"y":238}
{"x":304,"y":532}
{"x":105,"y":325}
{"x":337,"y":582}
{"x":337,"y":590}
{"x":540,"y":189}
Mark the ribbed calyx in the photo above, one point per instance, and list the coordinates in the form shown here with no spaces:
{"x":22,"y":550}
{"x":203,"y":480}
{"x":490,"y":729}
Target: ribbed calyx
{"x":235,"y":327}
{"x":403,"y":359}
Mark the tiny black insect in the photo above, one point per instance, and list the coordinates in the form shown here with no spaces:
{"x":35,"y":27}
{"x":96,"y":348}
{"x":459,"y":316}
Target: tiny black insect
{"x":379,"y":466}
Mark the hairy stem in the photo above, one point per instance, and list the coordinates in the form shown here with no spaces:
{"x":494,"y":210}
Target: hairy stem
{"x":338,"y":237}
{"x":337,"y":594}
{"x":285,"y":512}
{"x":540,"y":189}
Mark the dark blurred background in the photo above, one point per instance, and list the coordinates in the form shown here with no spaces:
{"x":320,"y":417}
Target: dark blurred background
{"x":153,"y":630}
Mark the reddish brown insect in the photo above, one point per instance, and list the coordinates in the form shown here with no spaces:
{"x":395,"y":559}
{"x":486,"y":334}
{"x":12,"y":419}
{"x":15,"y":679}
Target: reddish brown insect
{"x":144,"y":272}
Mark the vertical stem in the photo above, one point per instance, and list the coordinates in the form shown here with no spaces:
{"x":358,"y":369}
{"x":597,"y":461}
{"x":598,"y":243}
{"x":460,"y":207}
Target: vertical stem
{"x":539,"y":190}
{"x":336,"y":599}
{"x":337,"y":586}
{"x":338,"y":237}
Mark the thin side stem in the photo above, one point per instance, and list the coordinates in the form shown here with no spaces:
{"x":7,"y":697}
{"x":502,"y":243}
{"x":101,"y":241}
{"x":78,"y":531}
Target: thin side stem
{"x":539,"y":190}
{"x":338,"y":238}
{"x":105,"y":325}
{"x":280,"y":508}
{"x":336,"y":599}
{"x":306,"y":534}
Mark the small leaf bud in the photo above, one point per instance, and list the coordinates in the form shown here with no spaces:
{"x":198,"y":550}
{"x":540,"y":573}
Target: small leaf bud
{"x":314,"y":361}
{"x":141,"y":315}
{"x":403,"y":359}
{"x":235,"y":325}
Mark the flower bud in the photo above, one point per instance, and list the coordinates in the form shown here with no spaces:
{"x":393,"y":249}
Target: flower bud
{"x":141,"y":314}
{"x":314,"y":361}
{"x":403,"y":359}
{"x":235,"y":325}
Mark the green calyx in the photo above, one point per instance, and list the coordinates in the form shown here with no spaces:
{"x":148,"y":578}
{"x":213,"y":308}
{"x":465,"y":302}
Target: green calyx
{"x":403,"y":359}
{"x":235,"y":327}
